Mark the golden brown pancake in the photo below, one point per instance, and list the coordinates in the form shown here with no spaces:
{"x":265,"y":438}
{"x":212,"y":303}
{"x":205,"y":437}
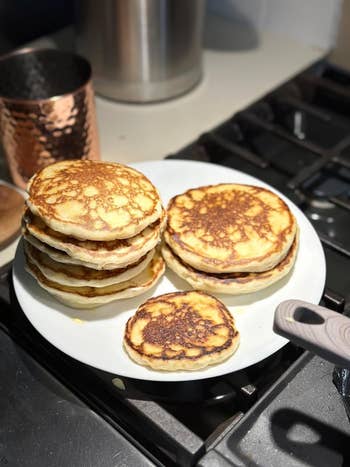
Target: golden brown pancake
{"x":77,"y":276}
{"x":94,"y":200}
{"x":233,"y":283}
{"x":61,"y":256}
{"x":99,"y":255}
{"x":181,"y":331}
{"x":92,"y":297}
{"x":230,"y":228}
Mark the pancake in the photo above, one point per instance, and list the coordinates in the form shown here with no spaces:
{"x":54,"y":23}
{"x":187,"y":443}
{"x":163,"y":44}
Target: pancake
{"x":234,"y":283}
{"x":77,"y":276}
{"x":94,"y":200}
{"x":92,"y":297}
{"x":61,"y":257}
{"x":181,"y":331}
{"x":230,"y":228}
{"x":98,"y":255}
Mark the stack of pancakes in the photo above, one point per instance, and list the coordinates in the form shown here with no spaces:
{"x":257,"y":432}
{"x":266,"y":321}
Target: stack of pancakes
{"x":91,"y":230}
{"x":230,"y":238}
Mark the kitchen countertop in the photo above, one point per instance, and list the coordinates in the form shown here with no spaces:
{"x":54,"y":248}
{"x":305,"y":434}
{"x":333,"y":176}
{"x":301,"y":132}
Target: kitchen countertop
{"x":231,"y":81}
{"x":239,"y":66}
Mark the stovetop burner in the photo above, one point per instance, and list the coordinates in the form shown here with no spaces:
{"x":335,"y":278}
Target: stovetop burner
{"x":297,"y":139}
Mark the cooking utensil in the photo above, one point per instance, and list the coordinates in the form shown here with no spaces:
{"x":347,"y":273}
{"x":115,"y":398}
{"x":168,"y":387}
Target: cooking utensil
{"x":47,"y":110}
{"x":142,"y":50}
{"x":315,"y":328}
{"x":96,"y":337}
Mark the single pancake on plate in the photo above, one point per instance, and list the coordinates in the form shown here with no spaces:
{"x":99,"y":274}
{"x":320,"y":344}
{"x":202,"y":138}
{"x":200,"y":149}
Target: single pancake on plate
{"x":92,"y":297}
{"x":94,"y":200}
{"x":96,"y":254}
{"x":181,"y":331}
{"x":233,"y":283}
{"x":228,"y":228}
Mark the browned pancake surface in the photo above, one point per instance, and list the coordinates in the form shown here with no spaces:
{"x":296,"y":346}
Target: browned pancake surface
{"x":181,"y":330}
{"x":230,"y":228}
{"x":94,"y":200}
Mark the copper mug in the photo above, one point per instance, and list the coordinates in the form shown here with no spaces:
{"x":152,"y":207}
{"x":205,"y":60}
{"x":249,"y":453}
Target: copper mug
{"x":47,"y":110}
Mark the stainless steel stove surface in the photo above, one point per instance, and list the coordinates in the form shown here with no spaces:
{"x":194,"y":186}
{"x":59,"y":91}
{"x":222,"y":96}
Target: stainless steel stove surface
{"x":284,"y":410}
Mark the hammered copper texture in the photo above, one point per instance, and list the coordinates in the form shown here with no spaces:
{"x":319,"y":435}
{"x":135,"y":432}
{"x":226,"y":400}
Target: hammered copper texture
{"x":37,"y":133}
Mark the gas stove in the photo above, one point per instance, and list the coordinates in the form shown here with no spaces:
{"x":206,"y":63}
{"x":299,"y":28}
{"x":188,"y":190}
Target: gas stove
{"x":284,"y":409}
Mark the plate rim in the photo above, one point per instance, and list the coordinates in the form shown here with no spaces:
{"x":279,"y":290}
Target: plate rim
{"x":183,"y":375}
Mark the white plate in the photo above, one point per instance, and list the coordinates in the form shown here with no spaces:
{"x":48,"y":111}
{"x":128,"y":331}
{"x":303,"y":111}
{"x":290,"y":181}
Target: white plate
{"x":95,"y":336}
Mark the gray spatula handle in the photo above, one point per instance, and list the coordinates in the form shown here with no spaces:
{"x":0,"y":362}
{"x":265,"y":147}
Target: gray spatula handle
{"x":315,"y":328}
